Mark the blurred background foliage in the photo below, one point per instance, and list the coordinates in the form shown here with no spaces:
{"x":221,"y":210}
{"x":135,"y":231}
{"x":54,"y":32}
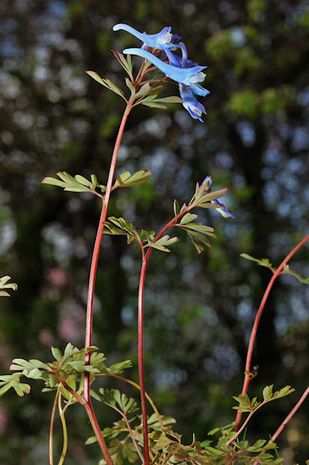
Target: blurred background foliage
{"x":199,"y":309}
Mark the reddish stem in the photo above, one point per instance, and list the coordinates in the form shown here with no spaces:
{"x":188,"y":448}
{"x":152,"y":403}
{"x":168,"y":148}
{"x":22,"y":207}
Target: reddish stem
{"x":91,"y":287}
{"x":140,"y":330}
{"x":99,"y":235}
{"x":140,"y":357}
{"x":290,"y":416}
{"x":258,"y":316}
{"x":97,"y":431}
{"x":93,"y":274}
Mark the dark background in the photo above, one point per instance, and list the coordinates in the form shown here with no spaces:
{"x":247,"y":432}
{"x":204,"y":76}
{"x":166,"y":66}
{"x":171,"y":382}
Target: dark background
{"x":199,"y":309}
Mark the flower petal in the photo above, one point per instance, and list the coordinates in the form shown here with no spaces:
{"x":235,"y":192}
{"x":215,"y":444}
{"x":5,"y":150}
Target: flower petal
{"x":222,"y":210}
{"x":190,"y":102}
{"x":199,"y":90}
{"x":162,"y":39}
{"x":182,"y":75}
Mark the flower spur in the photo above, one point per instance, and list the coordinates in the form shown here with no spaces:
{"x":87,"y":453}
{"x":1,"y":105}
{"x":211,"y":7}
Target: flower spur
{"x":161,"y":40}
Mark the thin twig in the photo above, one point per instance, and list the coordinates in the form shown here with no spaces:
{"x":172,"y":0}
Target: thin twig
{"x":75,"y":394}
{"x":51,"y":430}
{"x":64,"y":431}
{"x":258,"y":316}
{"x":132,"y":435}
{"x":290,"y":416}
{"x":151,"y":402}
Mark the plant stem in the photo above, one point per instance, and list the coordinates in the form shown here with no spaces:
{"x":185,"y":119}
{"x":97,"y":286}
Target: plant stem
{"x":131,"y":433}
{"x":140,"y":356}
{"x":91,"y":286}
{"x":258,"y":316}
{"x":75,"y":394}
{"x":140,"y":329}
{"x":97,"y":431}
{"x":233,"y":438}
{"x":64,"y":431}
{"x":51,"y":430}
{"x":290,"y":416}
{"x":98,"y":241}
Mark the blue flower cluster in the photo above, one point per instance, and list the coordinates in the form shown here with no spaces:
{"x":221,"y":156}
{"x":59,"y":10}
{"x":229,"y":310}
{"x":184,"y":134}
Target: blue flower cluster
{"x":185,"y":72}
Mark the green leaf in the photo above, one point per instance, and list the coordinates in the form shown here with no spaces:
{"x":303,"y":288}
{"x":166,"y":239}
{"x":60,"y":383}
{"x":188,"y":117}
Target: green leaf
{"x":257,"y":446}
{"x":246,"y":404}
{"x":215,"y":452}
{"x":85,"y":182}
{"x":286,"y":391}
{"x":153,"y":101}
{"x":163,"y":243}
{"x":196,"y":231}
{"x":268,"y":392}
{"x":56,"y":353}
{"x":119,"y":367}
{"x":199,"y":241}
{"x":106,"y":83}
{"x":176,"y":207}
{"x":130,"y":85}
{"x":115,"y":399}
{"x":204,"y":201}
{"x":143,"y":91}
{"x":188,"y":218}
{"x":262,"y":262}
{"x":153,"y":104}
{"x":12,"y":381}
{"x":35,"y":373}
{"x":120,"y":227}
{"x":77,"y":183}
{"x":213,"y":431}
{"x":298,"y":276}
{"x":69,"y":350}
{"x":171,"y":99}
{"x":4,"y":285}
{"x":126,"y":179}
{"x":125,"y":62}
{"x":200,"y":228}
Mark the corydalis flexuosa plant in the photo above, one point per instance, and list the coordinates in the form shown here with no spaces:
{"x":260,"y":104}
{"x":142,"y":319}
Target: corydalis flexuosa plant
{"x":137,"y":437}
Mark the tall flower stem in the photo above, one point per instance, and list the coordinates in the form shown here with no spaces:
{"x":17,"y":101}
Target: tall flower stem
{"x":140,"y":356}
{"x":91,"y":286}
{"x":256,"y":323}
{"x":140,"y":329}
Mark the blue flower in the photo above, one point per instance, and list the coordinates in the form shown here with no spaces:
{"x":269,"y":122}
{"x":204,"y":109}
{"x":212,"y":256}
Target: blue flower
{"x":161,"y":40}
{"x":220,"y":207}
{"x":190,"y":102}
{"x":188,"y":76}
{"x":222,"y":210}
